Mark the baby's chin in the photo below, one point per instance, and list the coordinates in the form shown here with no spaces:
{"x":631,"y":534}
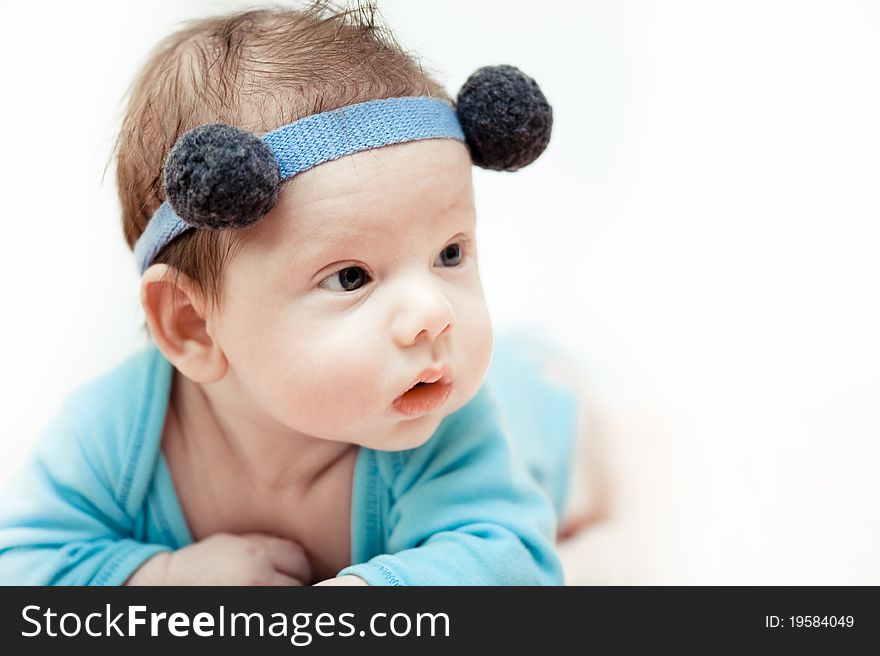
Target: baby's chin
{"x":404,"y":433}
{"x":408,"y":434}
{"x":412,"y":433}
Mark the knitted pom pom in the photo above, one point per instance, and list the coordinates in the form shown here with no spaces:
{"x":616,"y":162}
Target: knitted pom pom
{"x":505,"y":118}
{"x":219,"y":176}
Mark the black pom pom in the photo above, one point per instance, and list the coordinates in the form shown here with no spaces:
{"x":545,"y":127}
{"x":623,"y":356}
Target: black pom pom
{"x":505,"y":117}
{"x":219,"y":176}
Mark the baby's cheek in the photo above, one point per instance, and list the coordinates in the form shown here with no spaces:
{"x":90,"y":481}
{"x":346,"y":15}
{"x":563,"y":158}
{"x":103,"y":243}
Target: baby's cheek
{"x":478,"y":338}
{"x":334,"y":386}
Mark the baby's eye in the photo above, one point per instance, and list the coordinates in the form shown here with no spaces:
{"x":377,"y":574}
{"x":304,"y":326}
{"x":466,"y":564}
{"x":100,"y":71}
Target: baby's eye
{"x":346,"y":280}
{"x":450,"y":256}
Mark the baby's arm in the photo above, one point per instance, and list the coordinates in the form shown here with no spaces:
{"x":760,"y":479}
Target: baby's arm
{"x":60,"y":521}
{"x":464,"y":511}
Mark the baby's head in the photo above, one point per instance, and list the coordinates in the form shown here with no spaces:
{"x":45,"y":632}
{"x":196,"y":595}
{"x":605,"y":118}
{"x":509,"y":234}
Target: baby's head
{"x":358,"y":283}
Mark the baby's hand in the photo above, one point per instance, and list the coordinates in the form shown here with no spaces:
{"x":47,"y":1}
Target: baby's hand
{"x":227,"y":559}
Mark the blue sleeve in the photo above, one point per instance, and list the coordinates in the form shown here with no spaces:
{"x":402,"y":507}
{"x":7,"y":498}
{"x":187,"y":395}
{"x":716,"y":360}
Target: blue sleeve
{"x":60,"y":523}
{"x":465,"y":512}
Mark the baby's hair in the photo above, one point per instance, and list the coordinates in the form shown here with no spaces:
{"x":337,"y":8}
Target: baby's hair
{"x":258,"y":70}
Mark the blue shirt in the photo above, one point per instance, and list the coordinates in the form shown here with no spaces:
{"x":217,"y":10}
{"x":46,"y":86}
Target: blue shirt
{"x":95,"y":498}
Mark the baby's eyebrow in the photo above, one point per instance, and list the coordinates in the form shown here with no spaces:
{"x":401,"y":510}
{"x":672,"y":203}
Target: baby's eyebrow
{"x":344,"y":236}
{"x":348,"y":238}
{"x":317,"y":250}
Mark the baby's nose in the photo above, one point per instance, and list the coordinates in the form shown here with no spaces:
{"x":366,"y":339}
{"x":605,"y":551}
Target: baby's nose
{"x":425,"y":313}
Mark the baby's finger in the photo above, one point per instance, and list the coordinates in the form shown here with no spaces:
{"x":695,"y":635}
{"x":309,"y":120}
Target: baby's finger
{"x":290,"y":558}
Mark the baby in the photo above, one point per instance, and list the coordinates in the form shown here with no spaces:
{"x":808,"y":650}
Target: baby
{"x":311,"y":407}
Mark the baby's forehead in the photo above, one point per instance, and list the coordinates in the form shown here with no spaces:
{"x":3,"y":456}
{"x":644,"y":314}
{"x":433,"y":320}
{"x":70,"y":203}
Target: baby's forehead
{"x":393,"y":197}
{"x":436,"y":169}
{"x":367,"y":190}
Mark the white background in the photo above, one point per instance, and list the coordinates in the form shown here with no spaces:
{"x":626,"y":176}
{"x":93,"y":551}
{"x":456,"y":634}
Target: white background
{"x":701,"y":236}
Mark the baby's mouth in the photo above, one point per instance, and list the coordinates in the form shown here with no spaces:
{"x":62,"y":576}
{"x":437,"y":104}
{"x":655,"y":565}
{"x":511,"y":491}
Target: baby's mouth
{"x":422,"y":398}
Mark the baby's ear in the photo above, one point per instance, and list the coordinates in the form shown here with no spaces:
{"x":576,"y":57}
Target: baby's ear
{"x":177,"y":314}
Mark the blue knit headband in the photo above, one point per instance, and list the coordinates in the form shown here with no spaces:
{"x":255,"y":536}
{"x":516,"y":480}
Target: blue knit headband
{"x":320,"y":138}
{"x":218,"y":176}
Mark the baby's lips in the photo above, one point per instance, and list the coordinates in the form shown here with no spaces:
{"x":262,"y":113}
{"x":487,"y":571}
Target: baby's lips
{"x":422,"y":398}
{"x":428,"y":375}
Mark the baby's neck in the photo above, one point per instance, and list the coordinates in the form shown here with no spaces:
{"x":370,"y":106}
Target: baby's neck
{"x":219,"y":432}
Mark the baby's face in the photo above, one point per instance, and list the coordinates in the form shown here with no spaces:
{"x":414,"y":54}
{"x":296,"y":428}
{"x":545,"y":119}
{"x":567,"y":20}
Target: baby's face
{"x":362,"y":280}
